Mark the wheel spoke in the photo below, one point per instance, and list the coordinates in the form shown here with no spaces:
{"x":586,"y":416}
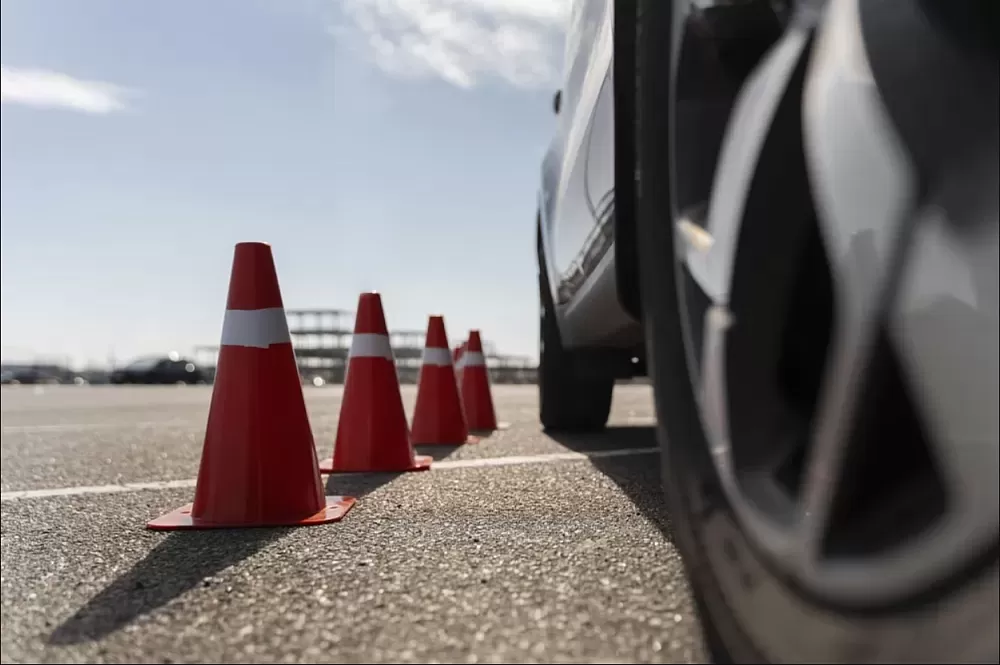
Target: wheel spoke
{"x":949,"y":286}
{"x":711,"y":261}
{"x":833,"y":392}
{"x":864,"y":223}
{"x":850,"y":367}
{"x":743,"y":257}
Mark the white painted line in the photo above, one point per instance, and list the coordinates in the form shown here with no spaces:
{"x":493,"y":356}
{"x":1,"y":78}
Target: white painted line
{"x":442,"y":465}
{"x":98,"y":489}
{"x":82,"y":427}
{"x":515,"y":460}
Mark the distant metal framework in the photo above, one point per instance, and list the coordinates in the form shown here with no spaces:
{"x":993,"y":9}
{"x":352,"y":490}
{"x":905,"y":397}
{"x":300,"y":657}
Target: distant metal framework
{"x":322,"y":340}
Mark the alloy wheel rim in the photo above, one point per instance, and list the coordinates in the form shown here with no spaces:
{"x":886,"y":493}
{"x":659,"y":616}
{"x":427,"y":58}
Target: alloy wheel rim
{"x":818,"y":529}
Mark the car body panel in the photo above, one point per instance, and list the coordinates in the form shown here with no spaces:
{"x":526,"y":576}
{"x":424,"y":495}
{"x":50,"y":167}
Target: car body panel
{"x":576,"y":198}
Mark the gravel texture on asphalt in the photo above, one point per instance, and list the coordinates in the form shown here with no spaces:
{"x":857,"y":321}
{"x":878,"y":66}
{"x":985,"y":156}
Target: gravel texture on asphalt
{"x":118,"y":435}
{"x":567,"y":561}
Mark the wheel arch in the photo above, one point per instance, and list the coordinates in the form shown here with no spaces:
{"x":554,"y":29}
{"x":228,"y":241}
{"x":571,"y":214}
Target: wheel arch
{"x":625,"y":235}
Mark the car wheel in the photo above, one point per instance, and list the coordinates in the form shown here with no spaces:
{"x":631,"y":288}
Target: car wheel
{"x":825,"y":393}
{"x":574,"y":391}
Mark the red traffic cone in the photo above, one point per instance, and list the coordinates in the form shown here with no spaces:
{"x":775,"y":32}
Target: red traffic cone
{"x":372,"y":434}
{"x":459,"y":352}
{"x":477,"y":398}
{"x":438,"y":417}
{"x":258,"y":461}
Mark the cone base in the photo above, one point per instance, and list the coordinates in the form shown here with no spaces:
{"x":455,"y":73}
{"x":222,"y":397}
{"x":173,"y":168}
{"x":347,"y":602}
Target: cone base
{"x":469,"y":439}
{"x":482,"y":433}
{"x":334,"y":511}
{"x":420,"y":463}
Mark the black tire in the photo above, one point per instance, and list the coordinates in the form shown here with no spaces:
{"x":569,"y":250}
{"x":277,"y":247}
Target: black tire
{"x":726,"y":573}
{"x":574,"y":394}
{"x":665,"y":352}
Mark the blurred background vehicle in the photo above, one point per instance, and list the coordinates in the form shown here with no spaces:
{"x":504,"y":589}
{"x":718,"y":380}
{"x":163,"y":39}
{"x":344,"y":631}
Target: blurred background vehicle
{"x":171,"y":368}
{"x":35,"y":374}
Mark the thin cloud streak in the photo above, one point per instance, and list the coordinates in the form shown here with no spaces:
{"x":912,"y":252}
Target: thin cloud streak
{"x":463,"y":41}
{"x":42,"y":88}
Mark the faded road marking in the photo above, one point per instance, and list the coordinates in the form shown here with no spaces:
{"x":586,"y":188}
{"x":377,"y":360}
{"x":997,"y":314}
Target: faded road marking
{"x":82,"y":427}
{"x":443,"y":465}
{"x":97,"y":489}
{"x":538,"y":459}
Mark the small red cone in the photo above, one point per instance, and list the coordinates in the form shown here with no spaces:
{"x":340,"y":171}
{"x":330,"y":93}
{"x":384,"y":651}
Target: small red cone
{"x":438,"y":417}
{"x":477,"y":398}
{"x":459,"y":352}
{"x":372,"y":434}
{"x":258,"y":462}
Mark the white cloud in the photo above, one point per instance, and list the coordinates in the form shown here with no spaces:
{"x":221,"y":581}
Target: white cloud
{"x":47,"y":89}
{"x":461,"y":41}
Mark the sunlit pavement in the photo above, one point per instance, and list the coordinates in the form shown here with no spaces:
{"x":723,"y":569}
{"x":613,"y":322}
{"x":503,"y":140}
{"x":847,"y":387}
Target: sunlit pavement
{"x":522,"y":547}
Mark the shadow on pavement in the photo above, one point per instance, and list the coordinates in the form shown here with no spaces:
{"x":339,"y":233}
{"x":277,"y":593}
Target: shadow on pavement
{"x":179,"y":563}
{"x":610,"y":438}
{"x":638,"y":475}
{"x":437,"y":451}
{"x":359,"y":484}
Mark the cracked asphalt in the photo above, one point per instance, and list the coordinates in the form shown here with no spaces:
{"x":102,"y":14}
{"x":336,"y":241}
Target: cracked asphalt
{"x":546,"y":560}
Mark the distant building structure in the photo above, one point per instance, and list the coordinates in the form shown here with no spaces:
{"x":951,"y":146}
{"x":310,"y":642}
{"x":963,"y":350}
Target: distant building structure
{"x":322,"y":341}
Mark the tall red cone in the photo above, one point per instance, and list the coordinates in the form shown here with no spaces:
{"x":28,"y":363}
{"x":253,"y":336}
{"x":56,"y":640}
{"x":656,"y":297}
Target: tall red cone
{"x":372,"y":434}
{"x":258,"y":461}
{"x":438,"y":417}
{"x":477,"y":398}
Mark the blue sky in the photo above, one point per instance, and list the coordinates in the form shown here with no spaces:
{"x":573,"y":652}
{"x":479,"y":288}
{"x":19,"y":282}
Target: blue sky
{"x":391,"y":145}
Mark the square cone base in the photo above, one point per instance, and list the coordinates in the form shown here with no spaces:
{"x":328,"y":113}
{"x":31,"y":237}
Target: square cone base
{"x":469,"y":439}
{"x":420,"y":463}
{"x":334,"y":511}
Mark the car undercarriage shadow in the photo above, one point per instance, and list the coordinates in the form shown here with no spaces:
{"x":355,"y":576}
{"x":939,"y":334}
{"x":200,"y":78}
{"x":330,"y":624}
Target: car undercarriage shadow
{"x":637,"y":472}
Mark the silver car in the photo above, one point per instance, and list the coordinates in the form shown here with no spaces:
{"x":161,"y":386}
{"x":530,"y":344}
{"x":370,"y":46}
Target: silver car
{"x":786,"y":215}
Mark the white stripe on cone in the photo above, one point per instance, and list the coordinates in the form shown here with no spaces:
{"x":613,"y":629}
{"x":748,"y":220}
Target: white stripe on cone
{"x":472,"y":359}
{"x":438,"y":357}
{"x":369,"y":345}
{"x":258,"y":328}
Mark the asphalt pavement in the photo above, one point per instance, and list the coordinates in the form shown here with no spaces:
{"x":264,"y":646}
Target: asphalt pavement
{"x":520,"y":548}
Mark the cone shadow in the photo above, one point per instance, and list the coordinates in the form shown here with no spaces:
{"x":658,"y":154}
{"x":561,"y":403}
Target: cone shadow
{"x":359,"y":484}
{"x":179,"y":563}
{"x":638,"y":476}
{"x":438,"y":451}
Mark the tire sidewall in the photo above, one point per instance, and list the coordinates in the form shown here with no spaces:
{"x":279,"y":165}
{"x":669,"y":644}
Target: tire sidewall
{"x":678,"y":428}
{"x":703,"y":522}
